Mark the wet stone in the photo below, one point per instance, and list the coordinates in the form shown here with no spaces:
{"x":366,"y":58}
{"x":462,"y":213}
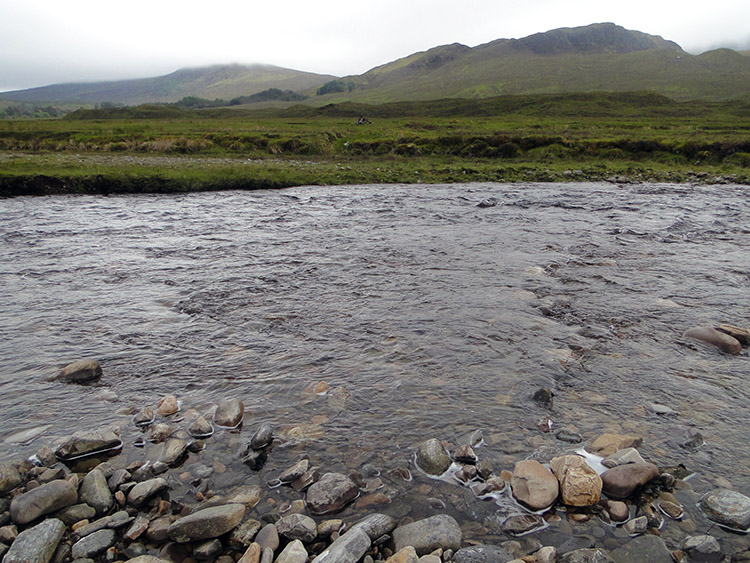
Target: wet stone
{"x":268,"y":537}
{"x":207,"y":550}
{"x":10,"y":477}
{"x":207,"y":523}
{"x":255,"y":459}
{"x":435,"y":532}
{"x":465,"y":454}
{"x":636,"y":526}
{"x":543,"y":397}
{"x":482,"y":554}
{"x":93,"y":544}
{"x":144,"y":417}
{"x":229,"y":413}
{"x":145,"y":490}
{"x":242,"y":536}
{"x":95,"y":491}
{"x":742,"y":335}
{"x":201,"y":428}
{"x":36,"y":544}
{"x":644,"y":549}
{"x":87,"y":443}
{"x":376,"y":525}
{"x":83,"y":371}
{"x":702,"y":549}
{"x":580,"y":485}
{"x":569,"y":436}
{"x":43,"y":500}
{"x":262,"y":438}
{"x":588,"y":555}
{"x":331,"y":494}
{"x":118,"y":478}
{"x":432,"y":457}
{"x":518,"y":524}
{"x":173,"y":452}
{"x":607,"y":444}
{"x":167,"y":405}
{"x":534,"y":485}
{"x":484,"y":468}
{"x":294,"y":552}
{"x":623,"y":457}
{"x":622,"y":481}
{"x":295,"y":472}
{"x":297,"y":527}
{"x":72,"y":514}
{"x":728,"y":508}
{"x":349,"y":547}
{"x":721,"y":340}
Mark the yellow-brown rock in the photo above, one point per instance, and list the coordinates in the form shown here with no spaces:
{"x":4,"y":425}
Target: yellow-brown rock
{"x":580,"y":485}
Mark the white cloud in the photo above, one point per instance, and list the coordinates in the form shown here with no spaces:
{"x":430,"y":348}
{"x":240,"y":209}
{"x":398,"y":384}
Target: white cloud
{"x":46,"y":41}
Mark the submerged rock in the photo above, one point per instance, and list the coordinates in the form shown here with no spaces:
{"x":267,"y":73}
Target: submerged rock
{"x":482,"y":554}
{"x":229,"y":413}
{"x":201,"y":428}
{"x":742,"y":335}
{"x":83,"y":371}
{"x":607,"y":444}
{"x":294,"y":552}
{"x":436,"y":532}
{"x":262,"y":438}
{"x":728,"y":508}
{"x":623,"y":457}
{"x":644,"y":549}
{"x":331,"y":494}
{"x":297,"y":527}
{"x":349,"y":547}
{"x":10,"y":477}
{"x":534,"y":485}
{"x":167,"y":405}
{"x":86,"y":443}
{"x":717,"y":338}
{"x":432,"y":457}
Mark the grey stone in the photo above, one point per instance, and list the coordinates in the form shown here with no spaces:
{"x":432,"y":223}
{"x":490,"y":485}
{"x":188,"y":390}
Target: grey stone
{"x":174,"y":450}
{"x":518,"y":524}
{"x":47,"y":498}
{"x":242,"y":536}
{"x":294,"y":552}
{"x":702,"y":549}
{"x":644,"y":549}
{"x":297,"y":527}
{"x":147,"y":559}
{"x":331,"y":494}
{"x":143,"y":491}
{"x":534,"y":485}
{"x":10,"y":477}
{"x":94,"y":544}
{"x":207,"y":550}
{"x":207,"y":523}
{"x":82,"y":371}
{"x":376,"y":525}
{"x":728,"y":508}
{"x":95,"y":491}
{"x":86,"y":443}
{"x":435,"y":532}
{"x":349,"y":547}
{"x":201,"y":428}
{"x":482,"y":554}
{"x":37,"y":544}
{"x":432,"y":457}
{"x":72,"y":514}
{"x":267,"y":555}
{"x":636,"y":526}
{"x":587,"y":556}
{"x":268,"y":538}
{"x":295,"y":472}
{"x":262,"y":438}
{"x":229,"y":413}
{"x":116,"y":520}
{"x":622,"y":481}
{"x":724,"y":342}
{"x":623,"y":457}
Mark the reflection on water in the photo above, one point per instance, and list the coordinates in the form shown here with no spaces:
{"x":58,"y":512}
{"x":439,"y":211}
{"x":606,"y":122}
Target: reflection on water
{"x":426,"y":315}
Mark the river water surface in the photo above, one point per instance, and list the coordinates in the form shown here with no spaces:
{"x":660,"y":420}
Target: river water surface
{"x":426,"y":315}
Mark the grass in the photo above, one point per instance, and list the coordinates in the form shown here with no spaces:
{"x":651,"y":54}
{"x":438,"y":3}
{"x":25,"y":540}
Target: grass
{"x":623,"y":137}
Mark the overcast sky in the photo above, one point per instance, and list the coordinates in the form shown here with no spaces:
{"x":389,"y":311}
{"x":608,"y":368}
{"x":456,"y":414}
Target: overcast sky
{"x":52,"y":41}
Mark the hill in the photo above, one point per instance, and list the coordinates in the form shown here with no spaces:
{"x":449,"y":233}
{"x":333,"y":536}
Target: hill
{"x":221,"y":81}
{"x":599,"y":57}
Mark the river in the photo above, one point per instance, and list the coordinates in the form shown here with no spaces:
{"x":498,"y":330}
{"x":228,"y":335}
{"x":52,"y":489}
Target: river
{"x":427,"y":316}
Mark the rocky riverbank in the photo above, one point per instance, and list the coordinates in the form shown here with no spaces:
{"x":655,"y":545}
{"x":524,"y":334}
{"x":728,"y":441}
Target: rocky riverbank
{"x":90,"y":499}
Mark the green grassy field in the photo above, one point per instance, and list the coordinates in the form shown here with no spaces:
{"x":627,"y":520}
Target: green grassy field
{"x":620,"y":137}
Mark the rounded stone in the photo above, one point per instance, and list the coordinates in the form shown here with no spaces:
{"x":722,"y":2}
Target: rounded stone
{"x":436,"y":532}
{"x":95,"y":492}
{"x":622,"y":481}
{"x":229,"y":413}
{"x":534,"y":485}
{"x":580,"y":485}
{"x":47,"y":498}
{"x":207,"y":523}
{"x":331,"y":493}
{"x":728,"y":508}
{"x":432,"y":457}
{"x":297,"y":527}
{"x":82,"y":371}
{"x":721,"y":340}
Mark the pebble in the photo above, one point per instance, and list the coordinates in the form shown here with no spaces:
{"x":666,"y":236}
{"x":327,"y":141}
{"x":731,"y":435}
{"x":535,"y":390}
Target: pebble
{"x":297,"y":527}
{"x":644,"y":549}
{"x":331,"y":494}
{"x":295,"y":472}
{"x":721,"y":340}
{"x":262,"y":438}
{"x":702,"y":549}
{"x":93,"y":544}
{"x":95,"y":491}
{"x":580,"y":485}
{"x":201,"y":428}
{"x":623,"y":457}
{"x":347,"y":548}
{"x":608,"y":443}
{"x":268,"y":537}
{"x":622,"y":481}
{"x":86,"y":443}
{"x":167,"y":405}
{"x":481,"y":554}
{"x":229,"y":413}
{"x":294,"y":552}
{"x":145,"y":490}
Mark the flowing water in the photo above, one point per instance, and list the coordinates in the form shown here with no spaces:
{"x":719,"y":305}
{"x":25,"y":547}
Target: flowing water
{"x":426,"y":315}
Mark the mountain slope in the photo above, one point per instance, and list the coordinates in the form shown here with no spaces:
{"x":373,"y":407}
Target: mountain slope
{"x":221,"y":81}
{"x":598,"y":57}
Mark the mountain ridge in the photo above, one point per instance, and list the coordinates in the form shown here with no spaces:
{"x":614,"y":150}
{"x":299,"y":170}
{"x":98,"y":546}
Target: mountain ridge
{"x":598,"y":57}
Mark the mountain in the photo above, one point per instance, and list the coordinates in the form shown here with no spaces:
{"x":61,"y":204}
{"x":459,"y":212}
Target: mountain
{"x":221,"y":81}
{"x":599,"y":57}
